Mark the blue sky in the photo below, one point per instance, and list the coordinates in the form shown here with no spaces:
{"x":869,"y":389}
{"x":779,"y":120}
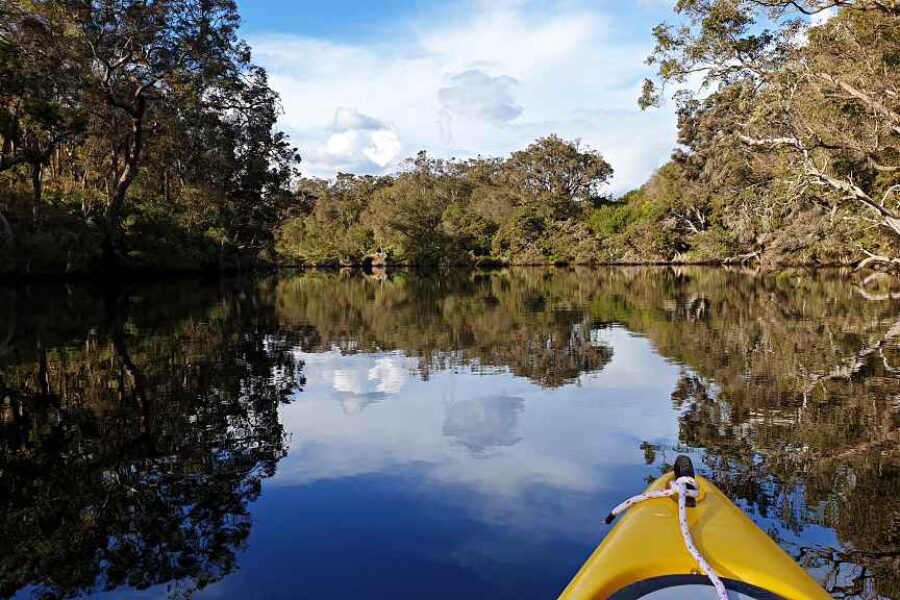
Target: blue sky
{"x":366,"y":84}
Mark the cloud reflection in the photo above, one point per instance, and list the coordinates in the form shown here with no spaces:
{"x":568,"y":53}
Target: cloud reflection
{"x":481,"y":424}
{"x":494,"y":433}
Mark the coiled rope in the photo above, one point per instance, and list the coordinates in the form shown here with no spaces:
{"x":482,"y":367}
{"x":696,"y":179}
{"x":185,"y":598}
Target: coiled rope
{"x":684,"y":487}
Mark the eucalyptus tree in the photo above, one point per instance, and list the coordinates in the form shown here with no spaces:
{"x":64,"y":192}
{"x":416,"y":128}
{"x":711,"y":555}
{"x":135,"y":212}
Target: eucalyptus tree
{"x":559,"y":174}
{"x":152,"y":115}
{"x":264,"y":165}
{"x":820,"y":103}
{"x":148,"y":58}
{"x":40,"y":101}
{"x":528,"y":207}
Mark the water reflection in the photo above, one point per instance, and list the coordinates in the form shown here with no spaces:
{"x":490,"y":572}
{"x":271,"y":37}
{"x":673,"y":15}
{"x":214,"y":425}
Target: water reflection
{"x":134,"y":439}
{"x":533,"y":323}
{"x":463,"y":432}
{"x":483,"y":423}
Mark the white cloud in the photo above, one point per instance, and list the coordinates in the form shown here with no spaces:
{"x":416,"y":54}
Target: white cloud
{"x":486,"y":81}
{"x":482,"y":424}
{"x":474,"y":93}
{"x":390,"y":373}
{"x":349,"y":118}
{"x":359,"y":142}
{"x":358,"y":384}
{"x":384,"y":146}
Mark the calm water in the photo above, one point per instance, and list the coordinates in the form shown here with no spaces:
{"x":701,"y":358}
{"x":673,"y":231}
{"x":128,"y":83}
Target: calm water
{"x":344,"y":436}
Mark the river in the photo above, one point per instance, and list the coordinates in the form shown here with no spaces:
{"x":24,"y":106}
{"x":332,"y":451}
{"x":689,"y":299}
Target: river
{"x":453,"y":436}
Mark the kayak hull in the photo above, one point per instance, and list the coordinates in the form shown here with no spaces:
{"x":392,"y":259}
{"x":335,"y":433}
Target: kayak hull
{"x":647,"y":545}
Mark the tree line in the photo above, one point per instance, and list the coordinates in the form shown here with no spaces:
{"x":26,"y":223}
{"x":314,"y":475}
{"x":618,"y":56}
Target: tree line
{"x":530,"y":207}
{"x":139,"y":133}
{"x":788,"y":152}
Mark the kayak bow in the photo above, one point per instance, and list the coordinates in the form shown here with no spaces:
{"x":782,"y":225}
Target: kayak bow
{"x":645,"y":555}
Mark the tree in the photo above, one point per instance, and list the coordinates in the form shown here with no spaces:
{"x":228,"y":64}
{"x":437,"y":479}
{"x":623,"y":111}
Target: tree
{"x":524,"y":208}
{"x":406,"y":218}
{"x":150,"y":126}
{"x":818,"y":104}
{"x":40,"y":103}
{"x":557,"y":174}
{"x":151,"y":57}
{"x":330,"y":229}
{"x":262,"y":166}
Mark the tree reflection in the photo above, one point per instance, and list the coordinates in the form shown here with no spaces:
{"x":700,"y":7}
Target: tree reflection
{"x":129,"y":455}
{"x":790,"y":393}
{"x":532,"y":322}
{"x":135,"y":430}
{"x":789,"y":387}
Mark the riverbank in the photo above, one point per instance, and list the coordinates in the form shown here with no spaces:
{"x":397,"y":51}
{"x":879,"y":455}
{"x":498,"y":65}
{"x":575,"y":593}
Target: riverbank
{"x":138,"y":276}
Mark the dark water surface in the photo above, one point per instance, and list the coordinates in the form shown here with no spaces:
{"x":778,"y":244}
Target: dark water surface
{"x":344,"y":436}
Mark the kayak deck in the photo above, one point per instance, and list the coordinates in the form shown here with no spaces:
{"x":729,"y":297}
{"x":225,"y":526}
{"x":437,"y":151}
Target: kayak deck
{"x":647,"y":545}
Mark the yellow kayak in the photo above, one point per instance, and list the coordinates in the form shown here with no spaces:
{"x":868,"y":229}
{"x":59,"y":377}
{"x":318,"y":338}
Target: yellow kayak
{"x":645,"y":555}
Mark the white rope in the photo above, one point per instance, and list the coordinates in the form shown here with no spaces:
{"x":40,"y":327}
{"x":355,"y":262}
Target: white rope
{"x":684,"y":488}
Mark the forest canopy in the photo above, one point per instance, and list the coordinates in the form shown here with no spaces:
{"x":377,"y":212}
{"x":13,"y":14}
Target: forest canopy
{"x":531,"y":207}
{"x":135,"y":133}
{"x":140,"y":134}
{"x":792,"y":146}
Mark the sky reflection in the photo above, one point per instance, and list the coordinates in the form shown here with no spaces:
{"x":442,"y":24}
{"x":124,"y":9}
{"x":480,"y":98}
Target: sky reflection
{"x":467,"y":472}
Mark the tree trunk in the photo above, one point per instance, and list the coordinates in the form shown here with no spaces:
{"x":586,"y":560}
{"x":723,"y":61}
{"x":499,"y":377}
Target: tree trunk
{"x":43,"y":371}
{"x":37,"y":186}
{"x":11,"y":321}
{"x":120,"y":191}
{"x":9,"y":156}
{"x":6,"y":233}
{"x":115,"y":309}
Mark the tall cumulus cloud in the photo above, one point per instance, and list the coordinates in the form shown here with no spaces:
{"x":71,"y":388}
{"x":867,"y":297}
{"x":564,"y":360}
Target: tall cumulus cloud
{"x":501,"y":73}
{"x":360,"y":142}
{"x":474,"y":93}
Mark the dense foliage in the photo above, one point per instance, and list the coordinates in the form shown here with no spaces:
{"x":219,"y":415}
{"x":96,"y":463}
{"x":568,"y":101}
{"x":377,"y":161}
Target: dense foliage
{"x":792,"y":149}
{"x":140,"y":134}
{"x":789,"y":152}
{"x":134,"y":134}
{"x":528,"y":208}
